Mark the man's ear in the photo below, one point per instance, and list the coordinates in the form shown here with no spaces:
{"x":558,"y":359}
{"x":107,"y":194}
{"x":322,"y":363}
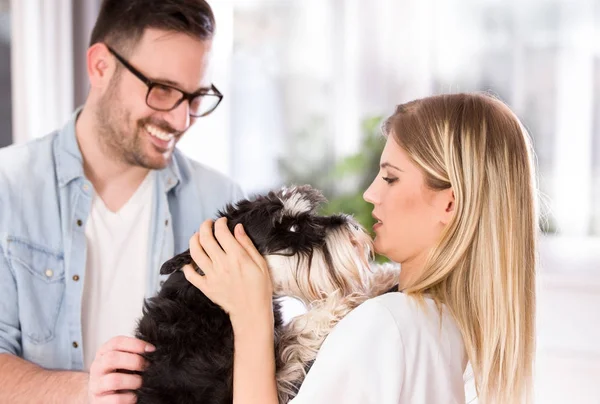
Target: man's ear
{"x":101,"y":65}
{"x":448,"y":204}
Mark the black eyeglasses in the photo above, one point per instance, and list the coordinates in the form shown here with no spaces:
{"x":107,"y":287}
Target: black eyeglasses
{"x":163,"y":97}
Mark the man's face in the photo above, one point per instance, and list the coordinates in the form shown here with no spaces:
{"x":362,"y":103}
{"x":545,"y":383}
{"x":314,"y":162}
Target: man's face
{"x":130,"y":130}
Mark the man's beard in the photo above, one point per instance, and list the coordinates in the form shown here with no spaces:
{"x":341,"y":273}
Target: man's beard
{"x":111,"y":121}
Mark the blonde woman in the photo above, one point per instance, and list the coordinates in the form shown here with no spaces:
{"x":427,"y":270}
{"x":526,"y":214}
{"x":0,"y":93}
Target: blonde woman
{"x":455,"y":204}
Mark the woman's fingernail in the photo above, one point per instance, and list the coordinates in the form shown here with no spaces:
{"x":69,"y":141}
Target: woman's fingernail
{"x":149,"y":348}
{"x":240,"y":229}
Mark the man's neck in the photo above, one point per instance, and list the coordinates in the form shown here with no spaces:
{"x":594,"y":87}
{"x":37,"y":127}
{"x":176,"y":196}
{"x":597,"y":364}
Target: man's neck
{"x":114,"y":180}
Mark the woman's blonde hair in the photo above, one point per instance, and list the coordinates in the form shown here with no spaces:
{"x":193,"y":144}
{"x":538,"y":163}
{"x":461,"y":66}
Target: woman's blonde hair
{"x":483,"y":268}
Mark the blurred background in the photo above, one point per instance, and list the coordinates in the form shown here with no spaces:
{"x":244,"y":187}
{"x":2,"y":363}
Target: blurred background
{"x":307,"y":82}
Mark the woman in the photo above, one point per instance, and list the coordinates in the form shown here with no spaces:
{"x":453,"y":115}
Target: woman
{"x":455,"y":204}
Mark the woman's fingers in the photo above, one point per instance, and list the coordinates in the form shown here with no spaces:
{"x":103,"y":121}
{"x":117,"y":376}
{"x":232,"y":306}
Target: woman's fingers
{"x":227,"y":241}
{"x":248,"y":245}
{"x":209,"y":243}
{"x":194,"y":277}
{"x":199,"y":255}
{"x":237,"y":277}
{"x":206,"y":250}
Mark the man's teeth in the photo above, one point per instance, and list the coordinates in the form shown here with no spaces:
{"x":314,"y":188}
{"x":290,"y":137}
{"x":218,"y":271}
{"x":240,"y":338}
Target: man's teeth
{"x":154,"y":131}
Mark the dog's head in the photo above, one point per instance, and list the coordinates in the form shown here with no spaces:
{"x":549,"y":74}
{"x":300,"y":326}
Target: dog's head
{"x":310,"y":256}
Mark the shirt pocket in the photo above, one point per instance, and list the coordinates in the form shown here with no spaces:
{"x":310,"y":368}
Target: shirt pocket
{"x":40,"y":279}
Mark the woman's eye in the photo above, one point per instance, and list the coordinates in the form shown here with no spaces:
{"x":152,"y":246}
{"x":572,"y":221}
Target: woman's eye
{"x":389,"y":180}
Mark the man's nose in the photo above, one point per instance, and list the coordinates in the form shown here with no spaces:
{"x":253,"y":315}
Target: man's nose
{"x":179,"y":117}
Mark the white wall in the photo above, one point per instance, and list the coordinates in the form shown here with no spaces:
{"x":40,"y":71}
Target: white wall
{"x":42,"y":67}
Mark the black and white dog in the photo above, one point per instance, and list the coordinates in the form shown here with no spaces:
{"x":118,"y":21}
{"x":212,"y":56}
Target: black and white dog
{"x":321,"y":260}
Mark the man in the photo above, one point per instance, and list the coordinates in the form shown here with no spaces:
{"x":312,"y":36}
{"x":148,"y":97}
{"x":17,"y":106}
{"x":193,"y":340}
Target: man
{"x":89,"y":212}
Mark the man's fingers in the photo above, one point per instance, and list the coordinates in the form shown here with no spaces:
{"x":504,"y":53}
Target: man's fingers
{"x":122,"y":398}
{"x":113,"y":360}
{"x":125,"y":344}
{"x":114,"y":382}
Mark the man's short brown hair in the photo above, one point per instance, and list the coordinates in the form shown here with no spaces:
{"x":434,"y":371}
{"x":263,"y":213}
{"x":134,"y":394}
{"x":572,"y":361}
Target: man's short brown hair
{"x":121,"y":23}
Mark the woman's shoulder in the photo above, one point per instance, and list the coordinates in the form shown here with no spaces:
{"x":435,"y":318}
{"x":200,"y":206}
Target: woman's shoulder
{"x":388,"y":350}
{"x":360,"y":361}
{"x":369,"y":328}
{"x":401,"y":308}
{"x":432,"y":344}
{"x":405,"y":307}
{"x":375,"y":318}
{"x":416,"y":321}
{"x":394,"y":308}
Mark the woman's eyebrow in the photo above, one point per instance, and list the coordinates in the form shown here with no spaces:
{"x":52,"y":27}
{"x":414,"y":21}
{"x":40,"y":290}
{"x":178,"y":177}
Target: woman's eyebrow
{"x":388,"y":165}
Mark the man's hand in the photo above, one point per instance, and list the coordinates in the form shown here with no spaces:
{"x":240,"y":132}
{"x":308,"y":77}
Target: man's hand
{"x":106,"y":386}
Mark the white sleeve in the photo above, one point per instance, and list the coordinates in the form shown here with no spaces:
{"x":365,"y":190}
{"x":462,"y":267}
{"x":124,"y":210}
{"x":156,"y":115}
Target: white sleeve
{"x":361,"y":361}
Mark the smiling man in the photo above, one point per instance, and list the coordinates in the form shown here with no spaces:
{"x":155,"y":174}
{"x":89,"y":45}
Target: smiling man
{"x":89,"y":212}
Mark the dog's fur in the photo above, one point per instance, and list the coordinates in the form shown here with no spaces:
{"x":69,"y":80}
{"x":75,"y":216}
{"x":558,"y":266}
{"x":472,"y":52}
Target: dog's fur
{"x":322,"y":261}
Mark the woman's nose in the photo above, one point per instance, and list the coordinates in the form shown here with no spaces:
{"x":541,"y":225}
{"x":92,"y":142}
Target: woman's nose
{"x":370,"y":195}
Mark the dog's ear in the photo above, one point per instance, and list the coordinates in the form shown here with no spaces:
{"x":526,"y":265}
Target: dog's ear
{"x":177,"y":262}
{"x":300,"y":199}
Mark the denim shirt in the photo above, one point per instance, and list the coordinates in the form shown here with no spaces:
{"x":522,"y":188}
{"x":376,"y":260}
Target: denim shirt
{"x":45,"y":200}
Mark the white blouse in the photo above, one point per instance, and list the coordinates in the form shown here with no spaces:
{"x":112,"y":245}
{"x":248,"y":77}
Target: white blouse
{"x":389,"y":350}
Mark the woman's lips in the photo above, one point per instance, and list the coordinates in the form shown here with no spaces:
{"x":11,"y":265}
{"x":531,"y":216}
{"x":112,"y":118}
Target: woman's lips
{"x":378,"y":223}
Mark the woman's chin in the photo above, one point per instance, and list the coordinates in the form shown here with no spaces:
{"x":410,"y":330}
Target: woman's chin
{"x":378,"y":246}
{"x":390,"y":254}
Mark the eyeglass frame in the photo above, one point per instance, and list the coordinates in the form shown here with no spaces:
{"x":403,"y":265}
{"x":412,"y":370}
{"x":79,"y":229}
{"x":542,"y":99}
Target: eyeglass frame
{"x":185,"y":96}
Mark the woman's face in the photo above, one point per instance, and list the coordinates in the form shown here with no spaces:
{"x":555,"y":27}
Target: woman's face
{"x":410,"y":216}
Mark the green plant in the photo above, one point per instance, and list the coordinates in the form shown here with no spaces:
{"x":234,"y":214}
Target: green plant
{"x":357,"y":170}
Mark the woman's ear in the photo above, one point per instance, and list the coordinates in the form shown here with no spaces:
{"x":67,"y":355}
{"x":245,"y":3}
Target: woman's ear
{"x":448,"y":204}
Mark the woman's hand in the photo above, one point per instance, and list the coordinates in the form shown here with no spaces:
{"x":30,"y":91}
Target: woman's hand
{"x":236,"y":275}
{"x":237,"y":279}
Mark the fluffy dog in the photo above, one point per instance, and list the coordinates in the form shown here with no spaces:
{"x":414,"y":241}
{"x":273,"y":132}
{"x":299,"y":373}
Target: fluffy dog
{"x":321,"y":260}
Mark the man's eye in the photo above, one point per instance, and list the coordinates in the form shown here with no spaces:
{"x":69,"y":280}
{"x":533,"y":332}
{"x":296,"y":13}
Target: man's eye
{"x":163,"y":90}
{"x":389,"y":180}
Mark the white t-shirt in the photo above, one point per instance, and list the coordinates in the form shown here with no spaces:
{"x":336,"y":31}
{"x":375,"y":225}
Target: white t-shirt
{"x":389,"y":350}
{"x":116,"y":266}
